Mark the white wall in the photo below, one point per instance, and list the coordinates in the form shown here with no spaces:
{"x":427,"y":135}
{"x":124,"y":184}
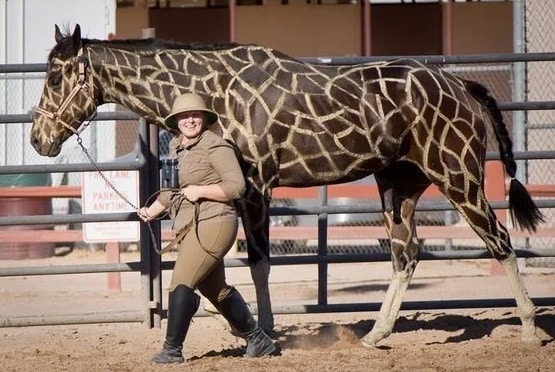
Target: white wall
{"x":26,"y":36}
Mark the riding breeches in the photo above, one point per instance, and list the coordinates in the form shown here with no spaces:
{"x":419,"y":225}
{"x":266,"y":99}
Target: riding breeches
{"x":200,"y":260}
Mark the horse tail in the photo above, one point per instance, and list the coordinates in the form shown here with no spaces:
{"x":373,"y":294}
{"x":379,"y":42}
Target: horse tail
{"x":524,"y":212}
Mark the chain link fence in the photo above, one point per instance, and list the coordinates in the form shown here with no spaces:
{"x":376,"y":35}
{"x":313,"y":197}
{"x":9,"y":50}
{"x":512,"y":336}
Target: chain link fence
{"x":539,"y":34}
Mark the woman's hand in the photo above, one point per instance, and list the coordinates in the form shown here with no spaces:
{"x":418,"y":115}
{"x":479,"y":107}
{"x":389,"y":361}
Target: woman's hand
{"x":192,"y":193}
{"x":144,"y":215}
{"x":149,"y":213}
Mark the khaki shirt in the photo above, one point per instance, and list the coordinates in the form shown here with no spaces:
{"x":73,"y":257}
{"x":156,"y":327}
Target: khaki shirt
{"x":206,"y":160}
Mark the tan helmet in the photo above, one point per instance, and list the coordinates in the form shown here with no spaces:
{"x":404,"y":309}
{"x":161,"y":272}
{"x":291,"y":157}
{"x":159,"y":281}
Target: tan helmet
{"x":189,"y":102}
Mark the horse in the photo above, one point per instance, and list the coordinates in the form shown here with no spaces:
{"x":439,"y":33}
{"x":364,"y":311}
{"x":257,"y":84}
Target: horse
{"x":298,"y":124}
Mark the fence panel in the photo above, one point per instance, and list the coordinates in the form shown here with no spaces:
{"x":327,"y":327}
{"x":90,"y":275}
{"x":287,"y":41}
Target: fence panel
{"x":490,"y":70}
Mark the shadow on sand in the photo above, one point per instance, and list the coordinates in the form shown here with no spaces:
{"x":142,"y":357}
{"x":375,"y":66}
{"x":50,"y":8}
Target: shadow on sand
{"x":322,"y":335}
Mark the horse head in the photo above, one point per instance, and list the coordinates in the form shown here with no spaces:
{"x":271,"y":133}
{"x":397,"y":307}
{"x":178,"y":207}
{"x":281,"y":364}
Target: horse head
{"x":68,"y":96}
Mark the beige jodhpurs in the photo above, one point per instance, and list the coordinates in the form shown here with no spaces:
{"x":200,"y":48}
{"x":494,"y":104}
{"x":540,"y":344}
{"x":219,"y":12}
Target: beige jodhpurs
{"x":199,"y":265}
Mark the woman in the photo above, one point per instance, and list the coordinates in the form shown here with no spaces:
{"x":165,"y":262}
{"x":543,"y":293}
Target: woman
{"x":203,"y":212}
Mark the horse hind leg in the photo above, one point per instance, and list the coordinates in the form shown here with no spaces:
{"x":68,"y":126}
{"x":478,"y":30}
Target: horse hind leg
{"x":526,"y":308}
{"x":401,"y":228}
{"x":480,"y":216}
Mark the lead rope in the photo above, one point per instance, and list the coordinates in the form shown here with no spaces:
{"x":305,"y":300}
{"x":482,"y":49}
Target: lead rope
{"x":110,"y":184}
{"x":126,"y":200}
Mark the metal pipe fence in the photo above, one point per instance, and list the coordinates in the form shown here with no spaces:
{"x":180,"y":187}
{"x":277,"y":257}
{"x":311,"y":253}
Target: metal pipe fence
{"x":145,"y":160}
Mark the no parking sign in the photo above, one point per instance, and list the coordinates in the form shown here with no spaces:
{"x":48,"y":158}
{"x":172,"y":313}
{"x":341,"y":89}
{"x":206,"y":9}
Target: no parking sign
{"x":99,"y":197}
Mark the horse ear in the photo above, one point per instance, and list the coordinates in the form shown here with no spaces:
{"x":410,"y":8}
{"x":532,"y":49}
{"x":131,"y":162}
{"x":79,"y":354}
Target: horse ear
{"x":57,"y":34}
{"x":76,"y":36}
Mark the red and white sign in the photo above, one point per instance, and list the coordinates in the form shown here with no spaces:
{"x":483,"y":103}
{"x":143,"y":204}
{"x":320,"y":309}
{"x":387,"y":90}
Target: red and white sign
{"x":99,"y":197}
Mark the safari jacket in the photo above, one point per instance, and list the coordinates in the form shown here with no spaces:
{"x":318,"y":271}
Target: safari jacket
{"x":206,"y":160}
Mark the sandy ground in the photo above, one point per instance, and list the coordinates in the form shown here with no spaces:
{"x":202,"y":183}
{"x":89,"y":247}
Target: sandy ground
{"x":454,"y":340}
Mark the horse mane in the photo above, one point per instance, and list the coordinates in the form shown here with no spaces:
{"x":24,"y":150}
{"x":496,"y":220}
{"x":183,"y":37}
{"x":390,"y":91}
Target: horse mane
{"x":156,"y":44}
{"x":66,"y":48}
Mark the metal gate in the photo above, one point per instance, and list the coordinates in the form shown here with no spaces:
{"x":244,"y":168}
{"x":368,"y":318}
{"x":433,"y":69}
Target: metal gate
{"x":144,"y":159}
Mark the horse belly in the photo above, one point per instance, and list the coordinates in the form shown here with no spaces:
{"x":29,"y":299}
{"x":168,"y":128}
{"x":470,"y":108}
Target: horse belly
{"x":323,"y":169}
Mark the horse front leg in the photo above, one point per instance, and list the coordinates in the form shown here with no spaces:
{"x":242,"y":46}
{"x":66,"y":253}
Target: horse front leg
{"x":260,"y":272}
{"x":256,"y":223}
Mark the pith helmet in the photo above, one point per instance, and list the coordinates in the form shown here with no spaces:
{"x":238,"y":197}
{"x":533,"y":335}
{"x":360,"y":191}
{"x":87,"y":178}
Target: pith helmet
{"x":189,"y":102}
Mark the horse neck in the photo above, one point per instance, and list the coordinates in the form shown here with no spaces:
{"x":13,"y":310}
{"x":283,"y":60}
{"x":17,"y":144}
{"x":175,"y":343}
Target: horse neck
{"x":147,"y":83}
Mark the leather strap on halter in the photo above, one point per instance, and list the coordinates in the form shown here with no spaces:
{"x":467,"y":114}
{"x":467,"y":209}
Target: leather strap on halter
{"x":81,"y":84}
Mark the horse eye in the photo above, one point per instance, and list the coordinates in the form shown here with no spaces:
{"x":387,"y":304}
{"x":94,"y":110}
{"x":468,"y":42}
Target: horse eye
{"x":55,"y":79}
{"x":68,"y":69}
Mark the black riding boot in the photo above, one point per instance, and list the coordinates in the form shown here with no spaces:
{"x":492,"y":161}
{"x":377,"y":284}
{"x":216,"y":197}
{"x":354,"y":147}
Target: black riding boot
{"x":183,"y":303}
{"x":239,"y":316}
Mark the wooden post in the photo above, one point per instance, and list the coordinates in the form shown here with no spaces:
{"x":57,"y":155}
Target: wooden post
{"x":112,"y":256}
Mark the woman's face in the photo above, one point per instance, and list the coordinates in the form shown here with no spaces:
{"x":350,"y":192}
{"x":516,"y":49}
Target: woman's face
{"x":190,"y":123}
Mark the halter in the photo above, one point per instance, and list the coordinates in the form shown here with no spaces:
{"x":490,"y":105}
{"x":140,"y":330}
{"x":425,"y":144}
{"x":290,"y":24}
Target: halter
{"x":81,"y":84}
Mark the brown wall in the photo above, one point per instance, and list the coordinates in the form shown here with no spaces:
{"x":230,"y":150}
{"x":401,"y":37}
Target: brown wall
{"x":302,"y":30}
{"x":406,"y":29}
{"x":203,"y":25}
{"x":332,"y":30}
{"x":482,"y":27}
{"x":130,"y":21}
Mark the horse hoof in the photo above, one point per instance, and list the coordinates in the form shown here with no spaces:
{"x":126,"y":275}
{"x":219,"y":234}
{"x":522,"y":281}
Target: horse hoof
{"x":372,"y":338}
{"x":267,"y":327}
{"x":369,"y":341}
{"x":532,"y":340}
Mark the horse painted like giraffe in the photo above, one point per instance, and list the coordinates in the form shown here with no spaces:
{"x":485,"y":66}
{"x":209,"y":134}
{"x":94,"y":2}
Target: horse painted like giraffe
{"x":298,"y":124}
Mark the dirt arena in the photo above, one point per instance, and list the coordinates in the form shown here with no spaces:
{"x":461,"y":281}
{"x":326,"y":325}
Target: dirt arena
{"x":454,"y":340}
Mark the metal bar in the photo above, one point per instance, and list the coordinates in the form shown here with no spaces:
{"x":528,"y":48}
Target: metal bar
{"x":276,"y":261}
{"x":376,"y":208}
{"x":153,"y":182}
{"x":140,"y":159}
{"x":341,"y":60}
{"x":524,"y":155}
{"x":540,"y":125}
{"x":76,"y":167}
{"x":67,"y":218}
{"x":130,"y":316}
{"x":385,"y":257}
{"x":408,"y":305}
{"x":93,"y":318}
{"x":146,"y":243}
{"x":128,"y":115}
{"x":22,"y":76}
{"x":100,"y":116}
{"x":436,"y":59}
{"x":22,"y":67}
{"x":519,"y":87}
{"x":71,"y":269}
{"x":322,"y":248}
{"x":529,"y":105}
{"x":274,"y":211}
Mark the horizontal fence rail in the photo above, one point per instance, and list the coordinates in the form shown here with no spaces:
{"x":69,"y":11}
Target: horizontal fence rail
{"x":274,"y":211}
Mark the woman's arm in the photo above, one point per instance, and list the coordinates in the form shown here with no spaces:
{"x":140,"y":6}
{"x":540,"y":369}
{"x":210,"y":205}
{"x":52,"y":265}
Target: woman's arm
{"x":212,"y":192}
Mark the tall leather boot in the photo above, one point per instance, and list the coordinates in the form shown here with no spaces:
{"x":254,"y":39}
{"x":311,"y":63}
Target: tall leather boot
{"x":183,"y":303}
{"x":239,"y":316}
